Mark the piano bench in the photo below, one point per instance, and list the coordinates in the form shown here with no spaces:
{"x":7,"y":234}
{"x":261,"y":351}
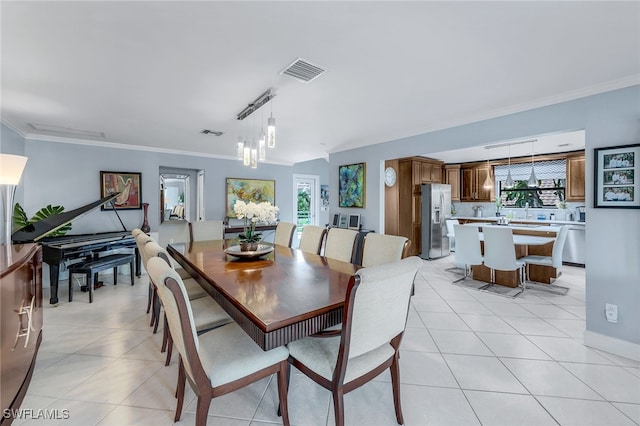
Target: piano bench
{"x":91,"y":268}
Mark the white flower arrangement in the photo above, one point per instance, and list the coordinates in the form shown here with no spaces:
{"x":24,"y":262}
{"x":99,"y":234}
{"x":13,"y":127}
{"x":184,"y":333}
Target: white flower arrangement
{"x":252,"y":214}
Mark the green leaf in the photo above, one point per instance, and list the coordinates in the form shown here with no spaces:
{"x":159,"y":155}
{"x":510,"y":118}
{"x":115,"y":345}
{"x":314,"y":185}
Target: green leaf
{"x":19,"y":218}
{"x":48,"y":211}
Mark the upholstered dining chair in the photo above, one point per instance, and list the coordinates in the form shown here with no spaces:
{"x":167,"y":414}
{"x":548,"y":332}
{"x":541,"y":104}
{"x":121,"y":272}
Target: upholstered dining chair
{"x":152,"y":303}
{"x":555,"y":260}
{"x":219,"y":361}
{"x":312,"y":238}
{"x":204,"y":230}
{"x":373,"y":323}
{"x":194,"y":290}
{"x":284,"y":234}
{"x":141,"y":240}
{"x":381,"y":248}
{"x":207,"y":314}
{"x":340,"y":243}
{"x":500,"y":253}
{"x":451,"y":233}
{"x":469,"y":250}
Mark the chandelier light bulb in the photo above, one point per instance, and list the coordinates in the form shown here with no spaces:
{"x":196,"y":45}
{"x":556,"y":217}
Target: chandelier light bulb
{"x":262,"y":147}
{"x":240,"y":152}
{"x":271,"y":132}
{"x":254,"y":158}
{"x":246,"y":154}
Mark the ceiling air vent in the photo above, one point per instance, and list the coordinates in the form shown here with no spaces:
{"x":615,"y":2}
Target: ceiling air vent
{"x":303,"y":70}
{"x":212,"y":132}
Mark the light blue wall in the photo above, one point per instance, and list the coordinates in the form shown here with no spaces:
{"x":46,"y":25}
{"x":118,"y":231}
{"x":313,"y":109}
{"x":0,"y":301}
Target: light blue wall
{"x":69,"y":175}
{"x":613,"y":235}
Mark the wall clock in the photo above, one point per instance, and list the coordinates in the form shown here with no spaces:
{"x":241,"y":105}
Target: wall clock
{"x":389,"y":176}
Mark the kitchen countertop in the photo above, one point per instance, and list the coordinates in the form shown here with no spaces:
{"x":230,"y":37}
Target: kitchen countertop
{"x":532,"y":221}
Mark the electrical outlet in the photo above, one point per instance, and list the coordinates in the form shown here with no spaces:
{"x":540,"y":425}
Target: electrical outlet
{"x":611,"y":312}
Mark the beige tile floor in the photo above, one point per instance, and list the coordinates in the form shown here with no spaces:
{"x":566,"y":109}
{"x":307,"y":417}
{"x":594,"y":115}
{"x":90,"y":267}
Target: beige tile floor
{"x":468,"y":358}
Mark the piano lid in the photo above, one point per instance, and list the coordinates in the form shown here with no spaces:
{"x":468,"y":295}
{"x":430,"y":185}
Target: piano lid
{"x":41,"y":228}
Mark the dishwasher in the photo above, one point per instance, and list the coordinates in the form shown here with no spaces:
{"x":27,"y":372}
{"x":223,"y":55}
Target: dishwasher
{"x":574,"y":246}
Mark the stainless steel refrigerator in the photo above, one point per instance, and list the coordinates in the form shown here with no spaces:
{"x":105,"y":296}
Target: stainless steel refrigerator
{"x":436,"y":208}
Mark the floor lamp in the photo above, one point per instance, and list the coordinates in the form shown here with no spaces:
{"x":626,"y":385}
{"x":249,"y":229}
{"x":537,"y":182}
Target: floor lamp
{"x":11,"y":168}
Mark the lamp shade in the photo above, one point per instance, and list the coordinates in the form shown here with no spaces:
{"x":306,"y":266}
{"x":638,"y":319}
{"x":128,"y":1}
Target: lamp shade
{"x":11,"y":168}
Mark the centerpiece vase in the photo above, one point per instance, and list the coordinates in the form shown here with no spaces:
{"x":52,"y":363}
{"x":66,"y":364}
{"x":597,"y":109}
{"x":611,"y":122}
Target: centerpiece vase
{"x":145,"y":222}
{"x":247,"y":246}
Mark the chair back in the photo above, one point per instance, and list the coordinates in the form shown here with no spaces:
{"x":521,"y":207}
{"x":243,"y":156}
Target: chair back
{"x":468,"y":249}
{"x":377,"y":305}
{"x":558,"y":247}
{"x":142,"y":240}
{"x":176,"y":231}
{"x":311,"y":239}
{"x":205,"y":230}
{"x":499,"y":250}
{"x":284,"y":234}
{"x":340,"y":244}
{"x":136,"y":231}
{"x":451,"y":232}
{"x":153,"y":249}
{"x":178,"y":312}
{"x":379,"y":249}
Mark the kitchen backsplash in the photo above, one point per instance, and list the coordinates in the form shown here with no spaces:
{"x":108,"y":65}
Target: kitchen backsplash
{"x":489,"y":210}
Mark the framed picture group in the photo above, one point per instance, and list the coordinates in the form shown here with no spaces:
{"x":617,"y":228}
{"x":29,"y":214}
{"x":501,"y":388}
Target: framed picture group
{"x":616,"y":177}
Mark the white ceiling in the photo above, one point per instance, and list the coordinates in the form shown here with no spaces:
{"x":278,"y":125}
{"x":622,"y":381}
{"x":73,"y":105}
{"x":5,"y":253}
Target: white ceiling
{"x":154,"y":74}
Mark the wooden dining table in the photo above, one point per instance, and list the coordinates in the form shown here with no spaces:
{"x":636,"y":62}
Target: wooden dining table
{"x":277,"y":298}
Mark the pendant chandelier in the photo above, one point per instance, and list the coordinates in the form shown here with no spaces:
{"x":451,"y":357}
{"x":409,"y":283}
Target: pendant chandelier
{"x":252,"y":152}
{"x":488,"y":183}
{"x":533,"y":180}
{"x":508,"y":183}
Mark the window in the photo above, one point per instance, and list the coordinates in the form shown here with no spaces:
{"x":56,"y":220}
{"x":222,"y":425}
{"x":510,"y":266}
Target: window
{"x":552,"y":179}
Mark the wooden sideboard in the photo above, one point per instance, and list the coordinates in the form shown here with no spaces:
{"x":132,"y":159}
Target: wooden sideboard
{"x":20,"y":320}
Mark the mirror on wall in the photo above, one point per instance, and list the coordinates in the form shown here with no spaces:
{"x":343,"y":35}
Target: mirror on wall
{"x":174,"y":197}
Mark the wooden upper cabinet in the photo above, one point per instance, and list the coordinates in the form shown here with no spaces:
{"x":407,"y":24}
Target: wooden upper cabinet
{"x":482,"y":193}
{"x":452,"y":177}
{"x":473,"y":178}
{"x":575,"y":178}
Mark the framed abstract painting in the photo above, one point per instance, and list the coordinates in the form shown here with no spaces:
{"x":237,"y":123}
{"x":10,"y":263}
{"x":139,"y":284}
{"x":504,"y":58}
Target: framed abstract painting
{"x":256,"y":190}
{"x":352,"y":185}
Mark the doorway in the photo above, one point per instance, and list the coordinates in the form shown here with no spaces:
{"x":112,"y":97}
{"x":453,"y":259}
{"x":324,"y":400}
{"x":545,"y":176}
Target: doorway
{"x":306,"y":206}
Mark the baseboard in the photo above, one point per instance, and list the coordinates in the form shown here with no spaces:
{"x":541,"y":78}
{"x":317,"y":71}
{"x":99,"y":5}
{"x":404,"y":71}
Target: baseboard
{"x":612,"y":345}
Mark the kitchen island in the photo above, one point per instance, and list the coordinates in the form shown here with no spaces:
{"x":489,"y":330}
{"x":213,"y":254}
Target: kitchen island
{"x":537,"y":273}
{"x":574,"y":248}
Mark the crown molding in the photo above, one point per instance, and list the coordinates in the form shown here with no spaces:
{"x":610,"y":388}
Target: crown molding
{"x":115,"y":145}
{"x":13,"y":126}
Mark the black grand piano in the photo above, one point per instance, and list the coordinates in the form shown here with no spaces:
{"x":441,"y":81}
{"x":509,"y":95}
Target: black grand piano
{"x":56,"y":250}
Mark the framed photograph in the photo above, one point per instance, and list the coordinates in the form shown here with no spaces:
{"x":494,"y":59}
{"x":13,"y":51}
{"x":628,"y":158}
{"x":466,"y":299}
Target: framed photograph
{"x":352,"y":185}
{"x":616,"y":182}
{"x":343,"y":221}
{"x":256,"y":190}
{"x":354,"y":222}
{"x":127,"y":184}
{"x":336,"y":220}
